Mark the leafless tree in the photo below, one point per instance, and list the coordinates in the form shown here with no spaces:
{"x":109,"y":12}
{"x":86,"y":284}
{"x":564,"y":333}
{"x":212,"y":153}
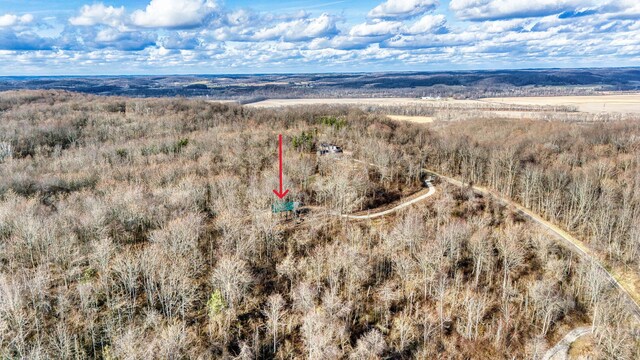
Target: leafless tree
{"x":180,"y":236}
{"x":274,"y":311}
{"x":233,"y":278}
{"x":511,"y":253}
{"x":173,"y":341}
{"x":5,"y":151}
{"x":370,"y":346}
{"x":126,"y":271}
{"x":475,"y":307}
{"x":548,"y":305}
{"x":404,"y":330}
{"x":480,"y":247}
{"x":304,"y":297}
{"x":441,"y":293}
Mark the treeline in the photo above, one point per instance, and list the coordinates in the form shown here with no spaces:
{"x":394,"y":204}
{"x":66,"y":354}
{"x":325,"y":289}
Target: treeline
{"x":428,"y":107}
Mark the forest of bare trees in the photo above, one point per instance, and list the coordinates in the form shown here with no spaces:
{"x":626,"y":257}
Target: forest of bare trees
{"x":137,"y":229}
{"x":584,"y":178}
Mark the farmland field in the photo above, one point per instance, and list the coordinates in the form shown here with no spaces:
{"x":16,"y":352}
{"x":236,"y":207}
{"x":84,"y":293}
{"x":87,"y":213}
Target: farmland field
{"x":415,"y":119}
{"x":628,"y":103}
{"x":352,"y":101}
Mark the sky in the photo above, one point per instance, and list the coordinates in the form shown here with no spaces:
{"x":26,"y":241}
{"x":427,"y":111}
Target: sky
{"x":128,"y":37}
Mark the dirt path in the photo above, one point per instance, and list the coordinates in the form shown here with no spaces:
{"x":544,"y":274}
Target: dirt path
{"x":561,"y":350}
{"x":624,"y":280}
{"x":432,"y":190}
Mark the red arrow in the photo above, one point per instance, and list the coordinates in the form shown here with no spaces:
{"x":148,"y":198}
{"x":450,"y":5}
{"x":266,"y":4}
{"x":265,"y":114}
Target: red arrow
{"x":280,"y":194}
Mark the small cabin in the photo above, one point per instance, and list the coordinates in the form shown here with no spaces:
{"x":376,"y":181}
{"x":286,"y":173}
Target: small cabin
{"x":325,"y":148}
{"x":289,"y":206}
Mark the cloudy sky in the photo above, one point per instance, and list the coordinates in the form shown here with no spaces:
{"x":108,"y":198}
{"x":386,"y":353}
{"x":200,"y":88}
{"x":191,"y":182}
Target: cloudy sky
{"x":76,"y":37}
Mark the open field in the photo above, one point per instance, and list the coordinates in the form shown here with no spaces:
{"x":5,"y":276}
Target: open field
{"x":270,"y":103}
{"x":415,"y":119}
{"x":629,"y":103}
{"x":625,"y":103}
{"x":418,"y":110}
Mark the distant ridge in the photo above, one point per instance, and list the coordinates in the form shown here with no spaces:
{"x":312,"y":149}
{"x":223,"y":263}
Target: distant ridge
{"x":247,"y":88}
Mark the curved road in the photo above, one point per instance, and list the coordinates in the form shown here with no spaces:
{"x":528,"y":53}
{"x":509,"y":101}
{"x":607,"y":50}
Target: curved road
{"x":614,"y":277}
{"x":561,"y":350}
{"x":432,"y":190}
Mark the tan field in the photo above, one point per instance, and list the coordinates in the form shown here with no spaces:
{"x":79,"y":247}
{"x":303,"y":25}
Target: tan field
{"x":349,"y":101}
{"x":415,"y":119}
{"x":224,"y":101}
{"x":593,"y":104}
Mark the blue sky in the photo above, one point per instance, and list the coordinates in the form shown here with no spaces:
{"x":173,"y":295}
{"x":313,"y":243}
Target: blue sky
{"x":79,"y":37}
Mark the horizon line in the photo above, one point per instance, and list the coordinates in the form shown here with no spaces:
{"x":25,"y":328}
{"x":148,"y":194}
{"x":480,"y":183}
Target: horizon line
{"x":330,"y":72}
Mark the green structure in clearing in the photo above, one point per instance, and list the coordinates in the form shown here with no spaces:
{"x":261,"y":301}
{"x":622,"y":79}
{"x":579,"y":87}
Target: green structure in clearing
{"x":285,"y":206}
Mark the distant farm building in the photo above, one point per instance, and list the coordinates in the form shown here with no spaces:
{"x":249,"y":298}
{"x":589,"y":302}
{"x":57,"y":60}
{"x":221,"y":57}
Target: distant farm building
{"x":325,"y":148}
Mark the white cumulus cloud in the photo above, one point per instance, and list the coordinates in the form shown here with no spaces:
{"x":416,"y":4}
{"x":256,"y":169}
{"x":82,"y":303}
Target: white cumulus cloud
{"x":26,"y":18}
{"x":98,"y":14}
{"x":428,"y":24}
{"x":12,"y":20}
{"x":174,"y":13}
{"x":302,"y":29}
{"x":167,"y":34}
{"x":108,"y":35}
{"x":505,"y":9}
{"x":376,"y":29}
{"x":402,"y":8}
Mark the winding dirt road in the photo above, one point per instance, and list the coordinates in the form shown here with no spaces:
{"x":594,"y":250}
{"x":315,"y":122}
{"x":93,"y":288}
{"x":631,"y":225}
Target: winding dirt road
{"x":432,"y":190}
{"x":561,"y":350}
{"x":625,"y":282}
